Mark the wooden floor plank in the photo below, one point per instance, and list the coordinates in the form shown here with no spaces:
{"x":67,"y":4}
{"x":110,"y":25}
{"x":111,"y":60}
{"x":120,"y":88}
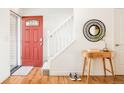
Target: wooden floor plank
{"x":35,"y":77}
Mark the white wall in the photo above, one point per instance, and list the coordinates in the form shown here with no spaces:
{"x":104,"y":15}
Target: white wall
{"x":52,"y":17}
{"x":71,"y":59}
{"x":4,"y":44}
{"x":17,"y":10}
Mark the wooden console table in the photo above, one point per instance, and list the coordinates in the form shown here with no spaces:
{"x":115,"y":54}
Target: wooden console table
{"x":88,"y":55}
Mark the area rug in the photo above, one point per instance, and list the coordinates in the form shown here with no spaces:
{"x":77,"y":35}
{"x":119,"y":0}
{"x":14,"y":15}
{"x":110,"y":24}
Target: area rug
{"x":23,"y":70}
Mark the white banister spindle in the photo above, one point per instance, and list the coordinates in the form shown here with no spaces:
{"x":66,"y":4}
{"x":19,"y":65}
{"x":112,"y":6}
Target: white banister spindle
{"x":60,"y":38}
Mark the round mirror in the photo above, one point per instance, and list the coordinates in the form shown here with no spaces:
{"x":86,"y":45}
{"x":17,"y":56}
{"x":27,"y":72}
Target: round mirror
{"x":94,"y":30}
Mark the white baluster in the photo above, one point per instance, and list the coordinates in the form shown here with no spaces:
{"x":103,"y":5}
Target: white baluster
{"x":61,"y":37}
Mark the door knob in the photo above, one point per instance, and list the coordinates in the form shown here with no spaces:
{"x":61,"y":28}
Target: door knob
{"x":117,"y":45}
{"x":41,"y":44}
{"x":41,"y":39}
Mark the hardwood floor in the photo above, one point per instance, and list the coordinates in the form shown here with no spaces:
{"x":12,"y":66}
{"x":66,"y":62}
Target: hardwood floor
{"x":35,"y":77}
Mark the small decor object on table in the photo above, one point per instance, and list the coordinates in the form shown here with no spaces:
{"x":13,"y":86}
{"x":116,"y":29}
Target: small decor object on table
{"x":105,"y":49}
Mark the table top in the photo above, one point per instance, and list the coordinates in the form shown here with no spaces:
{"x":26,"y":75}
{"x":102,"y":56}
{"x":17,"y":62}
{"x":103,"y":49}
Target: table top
{"x":96,"y":53}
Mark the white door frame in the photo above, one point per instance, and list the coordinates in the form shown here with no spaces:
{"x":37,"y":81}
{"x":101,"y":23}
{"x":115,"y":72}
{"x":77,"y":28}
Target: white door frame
{"x":19,"y":31}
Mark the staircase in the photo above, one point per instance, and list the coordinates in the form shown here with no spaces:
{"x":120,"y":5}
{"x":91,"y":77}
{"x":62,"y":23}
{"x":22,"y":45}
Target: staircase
{"x":58,"y":40}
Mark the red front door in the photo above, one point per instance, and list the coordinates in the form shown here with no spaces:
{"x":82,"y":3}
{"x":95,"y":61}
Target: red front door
{"x":32,"y":40}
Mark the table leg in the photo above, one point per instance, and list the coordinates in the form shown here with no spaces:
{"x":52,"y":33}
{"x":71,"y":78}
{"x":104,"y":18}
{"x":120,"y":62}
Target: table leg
{"x":104,"y":66}
{"x":89,"y":68}
{"x":111,"y":67}
{"x":84,"y":65}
